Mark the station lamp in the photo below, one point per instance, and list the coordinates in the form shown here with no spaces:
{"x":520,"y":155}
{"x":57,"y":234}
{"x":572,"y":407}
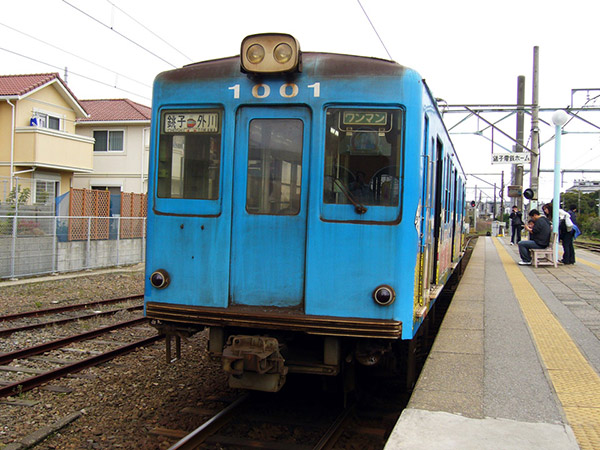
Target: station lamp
{"x":270,"y":53}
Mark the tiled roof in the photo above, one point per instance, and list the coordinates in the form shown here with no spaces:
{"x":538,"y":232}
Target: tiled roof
{"x":21,"y":85}
{"x":113,"y":110}
{"x":18,"y":85}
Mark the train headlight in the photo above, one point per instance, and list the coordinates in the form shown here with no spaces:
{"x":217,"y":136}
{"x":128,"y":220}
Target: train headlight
{"x":282,"y":53}
{"x":160,"y":279}
{"x":384,"y":295}
{"x":255,"y":53}
{"x":270,"y":53}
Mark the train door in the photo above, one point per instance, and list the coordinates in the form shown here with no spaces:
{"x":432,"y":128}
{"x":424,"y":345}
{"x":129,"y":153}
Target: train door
{"x":426,"y":202}
{"x":437,"y":210}
{"x":269,"y":206}
{"x":454,"y":214}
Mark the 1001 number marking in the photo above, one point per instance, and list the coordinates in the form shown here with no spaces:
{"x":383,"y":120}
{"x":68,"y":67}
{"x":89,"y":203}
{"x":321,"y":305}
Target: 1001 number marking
{"x":287,"y":90}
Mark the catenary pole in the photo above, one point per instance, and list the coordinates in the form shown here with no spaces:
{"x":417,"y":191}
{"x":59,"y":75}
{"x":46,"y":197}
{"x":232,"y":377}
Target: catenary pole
{"x":535,"y":137}
{"x":518,"y":168}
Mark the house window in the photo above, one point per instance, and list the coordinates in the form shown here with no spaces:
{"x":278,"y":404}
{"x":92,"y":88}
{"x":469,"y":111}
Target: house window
{"x":46,"y":121}
{"x":114,"y":190}
{"x":45,"y":191}
{"x":108,"y":141}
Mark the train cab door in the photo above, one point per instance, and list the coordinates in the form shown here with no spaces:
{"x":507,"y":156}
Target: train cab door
{"x":269,"y":206}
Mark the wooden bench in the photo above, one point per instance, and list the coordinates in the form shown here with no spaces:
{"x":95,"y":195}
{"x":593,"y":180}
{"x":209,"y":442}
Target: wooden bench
{"x":545,"y":256}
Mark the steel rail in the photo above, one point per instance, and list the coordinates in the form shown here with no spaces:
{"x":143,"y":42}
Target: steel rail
{"x":199,"y":435}
{"x":592,"y":247}
{"x":30,"y":383}
{"x":53,"y":345}
{"x":42,"y":312}
{"x":334,"y":431}
{"x":7,"y":331}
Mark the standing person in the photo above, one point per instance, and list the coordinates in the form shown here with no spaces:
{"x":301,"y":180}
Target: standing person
{"x":567,"y":235}
{"x":565,"y":232}
{"x":540,"y":236}
{"x":516,"y":224}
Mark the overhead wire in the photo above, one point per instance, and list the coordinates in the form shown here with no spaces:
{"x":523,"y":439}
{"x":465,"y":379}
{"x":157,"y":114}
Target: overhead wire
{"x":150,"y":31}
{"x":76,"y":56}
{"x":119,"y":33}
{"x":74,"y":73}
{"x":374,"y":29}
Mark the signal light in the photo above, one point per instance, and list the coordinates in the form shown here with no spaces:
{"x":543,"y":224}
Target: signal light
{"x":473,"y":203}
{"x":528,"y":194}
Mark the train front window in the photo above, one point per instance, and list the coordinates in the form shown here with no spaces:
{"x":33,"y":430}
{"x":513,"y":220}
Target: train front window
{"x":189,"y":155}
{"x":362,"y":156}
{"x":274,"y":166}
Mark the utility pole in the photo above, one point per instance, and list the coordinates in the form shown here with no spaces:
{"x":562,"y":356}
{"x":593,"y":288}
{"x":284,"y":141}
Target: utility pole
{"x":502,"y":196}
{"x":518,"y":168}
{"x":535,"y":136}
{"x":495,"y":203}
{"x":475,"y":211}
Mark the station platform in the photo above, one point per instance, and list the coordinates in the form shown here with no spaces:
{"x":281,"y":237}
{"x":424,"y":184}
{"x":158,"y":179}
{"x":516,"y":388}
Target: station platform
{"x":515,"y":364}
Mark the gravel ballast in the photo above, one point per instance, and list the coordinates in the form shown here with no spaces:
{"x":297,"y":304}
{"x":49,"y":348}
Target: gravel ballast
{"x":117,"y":404}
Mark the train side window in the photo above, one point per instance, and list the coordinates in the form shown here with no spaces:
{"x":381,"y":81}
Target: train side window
{"x":362,"y":156}
{"x":274,"y":166}
{"x":189,"y":154}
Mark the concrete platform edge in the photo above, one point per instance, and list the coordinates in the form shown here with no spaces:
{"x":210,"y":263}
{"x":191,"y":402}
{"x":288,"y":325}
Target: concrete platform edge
{"x":418,"y":429}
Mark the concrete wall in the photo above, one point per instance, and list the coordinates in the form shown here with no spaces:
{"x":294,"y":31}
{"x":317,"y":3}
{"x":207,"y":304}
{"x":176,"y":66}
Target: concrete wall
{"x":32,"y":255}
{"x":35,"y":255}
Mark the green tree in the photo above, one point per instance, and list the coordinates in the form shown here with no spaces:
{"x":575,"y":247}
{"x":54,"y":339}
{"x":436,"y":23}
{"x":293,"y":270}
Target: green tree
{"x":585,"y":203}
{"x":16,"y":193}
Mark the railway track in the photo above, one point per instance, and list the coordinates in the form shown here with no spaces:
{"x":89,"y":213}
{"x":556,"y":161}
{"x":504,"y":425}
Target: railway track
{"x":53,"y":359}
{"x":592,"y":246}
{"x":283,"y":422}
{"x":28,"y":320}
{"x":68,"y":308}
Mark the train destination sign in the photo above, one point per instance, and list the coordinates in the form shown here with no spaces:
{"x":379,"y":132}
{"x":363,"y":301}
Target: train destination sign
{"x":364,"y":118}
{"x":511,"y":158}
{"x":185,"y":122}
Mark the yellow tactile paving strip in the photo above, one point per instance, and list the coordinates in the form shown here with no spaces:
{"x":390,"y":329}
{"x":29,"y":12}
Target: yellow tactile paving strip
{"x":575,"y":381}
{"x":588,"y":263}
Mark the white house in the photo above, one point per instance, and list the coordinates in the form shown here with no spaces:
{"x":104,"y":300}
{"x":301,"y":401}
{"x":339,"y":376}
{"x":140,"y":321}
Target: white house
{"x":121,"y":129}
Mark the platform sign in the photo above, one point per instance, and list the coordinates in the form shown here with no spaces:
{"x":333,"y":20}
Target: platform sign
{"x":511,"y":158}
{"x":514,"y":191}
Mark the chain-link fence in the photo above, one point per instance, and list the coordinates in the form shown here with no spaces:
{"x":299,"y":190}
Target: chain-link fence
{"x":38,"y":244}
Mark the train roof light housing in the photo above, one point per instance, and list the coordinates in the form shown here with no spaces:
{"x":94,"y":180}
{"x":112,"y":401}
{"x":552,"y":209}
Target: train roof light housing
{"x":270,"y":53}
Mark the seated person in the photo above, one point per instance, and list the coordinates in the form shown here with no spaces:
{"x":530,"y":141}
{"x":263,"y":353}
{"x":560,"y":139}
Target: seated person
{"x":539,"y":236}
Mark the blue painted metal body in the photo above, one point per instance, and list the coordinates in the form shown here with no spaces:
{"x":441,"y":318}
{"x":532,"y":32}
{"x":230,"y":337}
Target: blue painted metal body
{"x":327,"y":259}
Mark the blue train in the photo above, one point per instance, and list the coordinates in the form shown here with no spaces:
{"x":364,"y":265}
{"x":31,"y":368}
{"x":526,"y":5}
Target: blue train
{"x":306,"y":208}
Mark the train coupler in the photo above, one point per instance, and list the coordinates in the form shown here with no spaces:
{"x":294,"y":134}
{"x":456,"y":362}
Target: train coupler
{"x":254,"y":362}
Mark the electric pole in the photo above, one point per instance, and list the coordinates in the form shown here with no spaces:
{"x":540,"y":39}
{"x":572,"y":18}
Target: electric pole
{"x":518,"y":168}
{"x":535,"y":137}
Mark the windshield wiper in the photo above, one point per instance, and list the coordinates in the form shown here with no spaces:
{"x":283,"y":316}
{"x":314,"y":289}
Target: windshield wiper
{"x":358,"y":207}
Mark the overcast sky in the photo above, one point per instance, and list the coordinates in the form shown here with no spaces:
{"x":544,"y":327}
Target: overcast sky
{"x":469,"y":51}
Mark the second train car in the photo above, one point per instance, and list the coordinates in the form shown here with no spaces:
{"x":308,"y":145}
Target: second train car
{"x":306,"y":208}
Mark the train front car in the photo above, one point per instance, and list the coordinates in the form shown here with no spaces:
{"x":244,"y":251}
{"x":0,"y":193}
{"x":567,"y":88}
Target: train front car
{"x":290,"y":209}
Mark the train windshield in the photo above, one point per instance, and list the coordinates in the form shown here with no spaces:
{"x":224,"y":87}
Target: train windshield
{"x":362,"y":156}
{"x":189,"y":154}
